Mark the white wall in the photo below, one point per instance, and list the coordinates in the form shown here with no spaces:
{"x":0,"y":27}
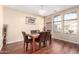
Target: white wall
{"x":1,"y":25}
{"x":62,"y":36}
{"x":16,"y":24}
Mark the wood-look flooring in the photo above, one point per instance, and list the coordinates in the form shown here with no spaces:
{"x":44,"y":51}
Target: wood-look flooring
{"x":57,"y":47}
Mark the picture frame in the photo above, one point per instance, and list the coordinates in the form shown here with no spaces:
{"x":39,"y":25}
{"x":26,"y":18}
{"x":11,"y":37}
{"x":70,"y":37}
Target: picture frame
{"x":30,"y":20}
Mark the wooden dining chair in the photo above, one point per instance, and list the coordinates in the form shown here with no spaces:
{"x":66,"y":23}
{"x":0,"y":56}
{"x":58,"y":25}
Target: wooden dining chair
{"x":41,"y":38}
{"x":26,"y":40}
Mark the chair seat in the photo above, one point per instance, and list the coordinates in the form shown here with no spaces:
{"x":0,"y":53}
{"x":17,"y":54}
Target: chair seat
{"x":36,"y":39}
{"x":29,"y":41}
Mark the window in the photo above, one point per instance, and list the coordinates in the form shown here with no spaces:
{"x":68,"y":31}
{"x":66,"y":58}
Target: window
{"x":57,"y":24}
{"x":48,"y":26}
{"x":70,"y":23}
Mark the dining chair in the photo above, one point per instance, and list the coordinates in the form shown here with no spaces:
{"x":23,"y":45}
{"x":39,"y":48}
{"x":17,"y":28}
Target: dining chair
{"x":41,"y":38}
{"x":26,"y":40}
{"x":48,"y":37}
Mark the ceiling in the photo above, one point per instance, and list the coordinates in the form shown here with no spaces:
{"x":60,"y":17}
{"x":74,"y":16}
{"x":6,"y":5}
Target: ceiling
{"x":50,"y":9}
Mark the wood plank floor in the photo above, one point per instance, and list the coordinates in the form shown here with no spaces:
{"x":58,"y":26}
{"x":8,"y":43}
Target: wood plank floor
{"x":57,"y":47}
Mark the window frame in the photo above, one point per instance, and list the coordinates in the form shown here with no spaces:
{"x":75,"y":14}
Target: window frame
{"x":63,"y":21}
{"x":69,"y":20}
{"x":57,"y":22}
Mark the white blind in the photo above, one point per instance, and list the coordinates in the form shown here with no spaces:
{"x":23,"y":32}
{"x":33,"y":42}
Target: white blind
{"x":70,"y":16}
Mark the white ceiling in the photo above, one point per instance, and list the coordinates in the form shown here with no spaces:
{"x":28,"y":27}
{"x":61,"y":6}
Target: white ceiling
{"x":50,"y":9}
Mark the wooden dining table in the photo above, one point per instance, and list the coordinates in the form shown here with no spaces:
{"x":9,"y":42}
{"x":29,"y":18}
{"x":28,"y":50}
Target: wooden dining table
{"x":34,"y":36}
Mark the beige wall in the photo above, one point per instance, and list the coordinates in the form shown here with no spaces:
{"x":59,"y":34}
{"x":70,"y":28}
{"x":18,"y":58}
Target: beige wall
{"x":1,"y":25}
{"x":62,"y":36}
{"x":16,"y":24}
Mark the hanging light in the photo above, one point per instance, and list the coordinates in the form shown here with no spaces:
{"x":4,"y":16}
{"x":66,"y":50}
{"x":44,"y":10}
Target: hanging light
{"x":42,"y":11}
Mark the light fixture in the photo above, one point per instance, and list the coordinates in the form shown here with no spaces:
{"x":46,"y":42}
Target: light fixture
{"x":42,"y":11}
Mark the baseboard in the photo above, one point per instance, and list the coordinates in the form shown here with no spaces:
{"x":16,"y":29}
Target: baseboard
{"x":68,"y":41}
{"x":71,"y":41}
{"x":13,"y":41}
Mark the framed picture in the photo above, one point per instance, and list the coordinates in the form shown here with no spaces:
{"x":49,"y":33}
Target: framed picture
{"x":30,"y":20}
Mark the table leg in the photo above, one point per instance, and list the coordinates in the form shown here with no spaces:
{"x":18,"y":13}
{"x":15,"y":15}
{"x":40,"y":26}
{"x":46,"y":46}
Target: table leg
{"x":33,"y":44}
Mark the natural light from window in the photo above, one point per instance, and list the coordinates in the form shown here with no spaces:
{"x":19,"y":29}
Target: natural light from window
{"x":57,"y":24}
{"x":70,"y":23}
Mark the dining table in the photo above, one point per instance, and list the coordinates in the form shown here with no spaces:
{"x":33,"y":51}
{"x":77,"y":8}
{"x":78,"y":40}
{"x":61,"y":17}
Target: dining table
{"x":34,"y":36}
